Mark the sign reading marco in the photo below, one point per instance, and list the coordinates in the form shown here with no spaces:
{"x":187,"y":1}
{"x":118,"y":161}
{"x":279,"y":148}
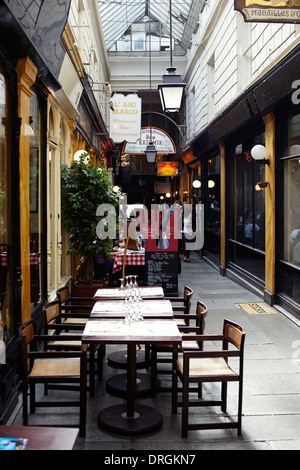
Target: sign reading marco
{"x":125,"y":118}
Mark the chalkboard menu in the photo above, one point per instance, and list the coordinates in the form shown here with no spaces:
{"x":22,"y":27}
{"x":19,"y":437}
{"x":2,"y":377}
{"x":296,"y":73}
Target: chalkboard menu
{"x":162,"y":270}
{"x":161,"y":259}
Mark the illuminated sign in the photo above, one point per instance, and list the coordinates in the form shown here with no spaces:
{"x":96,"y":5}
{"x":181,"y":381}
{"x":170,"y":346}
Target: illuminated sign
{"x":167,"y":168}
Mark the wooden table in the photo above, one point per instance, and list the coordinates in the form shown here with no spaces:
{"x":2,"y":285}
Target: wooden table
{"x":149,"y":309}
{"x":114,"y":293}
{"x":131,"y":418}
{"x":41,"y":437}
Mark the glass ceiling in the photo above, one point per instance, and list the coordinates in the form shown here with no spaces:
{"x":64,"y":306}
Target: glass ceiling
{"x":118,"y":15}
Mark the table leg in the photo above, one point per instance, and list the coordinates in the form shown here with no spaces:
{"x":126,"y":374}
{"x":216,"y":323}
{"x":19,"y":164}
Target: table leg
{"x":132,"y":418}
{"x":131,"y":376}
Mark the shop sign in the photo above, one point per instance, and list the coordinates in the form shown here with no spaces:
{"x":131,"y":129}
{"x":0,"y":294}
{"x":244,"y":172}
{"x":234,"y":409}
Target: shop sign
{"x":125,"y":118}
{"x":167,"y":168}
{"x":270,"y":11}
{"x":162,"y":141}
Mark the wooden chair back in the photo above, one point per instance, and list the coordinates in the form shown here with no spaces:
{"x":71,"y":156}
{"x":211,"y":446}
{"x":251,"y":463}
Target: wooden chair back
{"x":234,"y":334}
{"x":63,"y":295}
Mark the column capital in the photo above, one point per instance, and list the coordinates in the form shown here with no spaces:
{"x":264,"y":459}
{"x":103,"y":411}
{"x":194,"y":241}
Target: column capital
{"x":27,"y":73}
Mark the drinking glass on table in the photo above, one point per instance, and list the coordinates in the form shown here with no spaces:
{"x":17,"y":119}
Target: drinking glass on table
{"x":137,"y":300}
{"x":121,"y":284}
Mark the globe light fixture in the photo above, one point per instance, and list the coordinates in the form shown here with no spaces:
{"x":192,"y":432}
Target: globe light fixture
{"x":196,"y":184}
{"x":259,"y":153}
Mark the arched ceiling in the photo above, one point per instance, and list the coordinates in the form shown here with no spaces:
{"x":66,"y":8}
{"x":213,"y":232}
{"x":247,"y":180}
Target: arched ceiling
{"x":117,"y":15}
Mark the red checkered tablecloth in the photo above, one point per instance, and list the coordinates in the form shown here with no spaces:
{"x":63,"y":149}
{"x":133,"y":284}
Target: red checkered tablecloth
{"x":136,"y":258}
{"x":34,"y":259}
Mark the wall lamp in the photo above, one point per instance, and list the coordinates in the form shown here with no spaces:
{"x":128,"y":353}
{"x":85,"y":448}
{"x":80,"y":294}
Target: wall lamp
{"x":196,"y":184}
{"x":259,"y":153}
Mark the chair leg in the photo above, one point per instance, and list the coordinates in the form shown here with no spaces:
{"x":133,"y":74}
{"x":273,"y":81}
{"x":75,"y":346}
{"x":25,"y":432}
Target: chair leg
{"x":32,"y":397}
{"x":100,"y":358}
{"x":185,"y":408}
{"x":174,"y":391}
{"x":25,"y":405}
{"x":240,"y":409}
{"x":224,"y":397}
{"x":83,"y":398}
{"x":92,"y":370}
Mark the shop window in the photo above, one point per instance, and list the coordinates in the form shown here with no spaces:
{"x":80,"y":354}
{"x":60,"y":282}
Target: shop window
{"x":6,"y":313}
{"x":247,"y":218}
{"x":212,"y":232}
{"x":35,"y":201}
{"x":292,"y":195}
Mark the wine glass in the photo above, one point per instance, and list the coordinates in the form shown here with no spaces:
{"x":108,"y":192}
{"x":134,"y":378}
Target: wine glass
{"x":121,"y":288}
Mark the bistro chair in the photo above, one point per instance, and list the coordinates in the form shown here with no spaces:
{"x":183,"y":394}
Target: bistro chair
{"x":67,"y":367}
{"x":74,"y":304}
{"x":71,"y":308}
{"x":185,"y":306}
{"x":162,"y":354}
{"x":210,"y":366}
{"x":53,"y":325}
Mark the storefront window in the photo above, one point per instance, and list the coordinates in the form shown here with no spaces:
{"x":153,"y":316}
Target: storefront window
{"x":247,"y":211}
{"x":212,"y":229}
{"x":247,"y":199}
{"x":35,"y":219}
{"x":6,"y":319}
{"x":292,"y":195}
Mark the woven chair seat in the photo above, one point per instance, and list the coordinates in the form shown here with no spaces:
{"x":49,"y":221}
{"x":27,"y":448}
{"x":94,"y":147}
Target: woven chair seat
{"x":82,"y":321}
{"x":180,"y":321}
{"x":208,"y":367}
{"x":55,"y":367}
{"x":66,"y":343}
{"x":190,"y":345}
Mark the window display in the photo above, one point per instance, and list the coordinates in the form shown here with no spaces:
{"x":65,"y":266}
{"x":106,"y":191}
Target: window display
{"x":292,"y":194}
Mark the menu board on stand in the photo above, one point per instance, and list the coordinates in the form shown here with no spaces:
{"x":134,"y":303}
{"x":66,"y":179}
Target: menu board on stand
{"x":161,"y":258}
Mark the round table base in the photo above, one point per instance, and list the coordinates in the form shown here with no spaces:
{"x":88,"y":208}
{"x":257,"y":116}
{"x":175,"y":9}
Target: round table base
{"x":117,"y":385}
{"x":146,"y":419}
{"x":119,"y":359}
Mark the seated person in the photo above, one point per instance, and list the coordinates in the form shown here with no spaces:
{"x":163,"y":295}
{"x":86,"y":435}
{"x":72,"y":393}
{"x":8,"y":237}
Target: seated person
{"x":119,"y":244}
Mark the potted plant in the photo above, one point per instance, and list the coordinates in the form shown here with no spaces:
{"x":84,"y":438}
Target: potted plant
{"x":84,"y":188}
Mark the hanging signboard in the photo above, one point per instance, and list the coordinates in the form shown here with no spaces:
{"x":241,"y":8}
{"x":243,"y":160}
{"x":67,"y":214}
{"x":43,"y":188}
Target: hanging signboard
{"x":125,"y":118}
{"x":162,"y":141}
{"x":271,"y":11}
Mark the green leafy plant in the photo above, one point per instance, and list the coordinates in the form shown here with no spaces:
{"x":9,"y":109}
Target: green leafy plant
{"x":84,"y":188}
